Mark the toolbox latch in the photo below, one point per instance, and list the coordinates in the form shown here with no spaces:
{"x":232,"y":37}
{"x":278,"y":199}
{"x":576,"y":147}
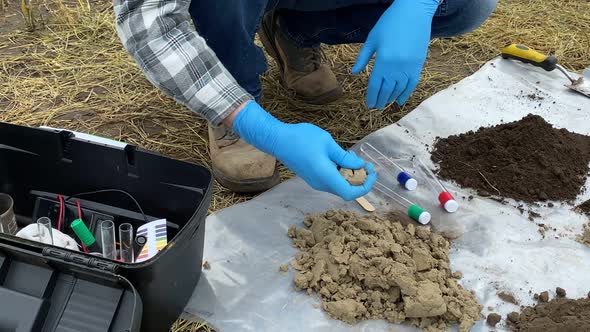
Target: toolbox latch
{"x":71,"y":257}
{"x":66,"y":142}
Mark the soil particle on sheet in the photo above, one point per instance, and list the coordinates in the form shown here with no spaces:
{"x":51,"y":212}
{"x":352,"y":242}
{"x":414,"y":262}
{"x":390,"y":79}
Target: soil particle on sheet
{"x":584,"y":238}
{"x":507,"y":297}
{"x":354,"y":177}
{"x":584,"y":207}
{"x":284,"y":268}
{"x":207,"y":265}
{"x":534,"y":215}
{"x":292,"y":231}
{"x":544,"y":297}
{"x":560,"y":292}
{"x":493,"y":319}
{"x":542,"y":231}
{"x":513,"y":317}
{"x":366,"y":267}
{"x":533,"y":96}
{"x":527,"y":160}
{"x":559,"y":314}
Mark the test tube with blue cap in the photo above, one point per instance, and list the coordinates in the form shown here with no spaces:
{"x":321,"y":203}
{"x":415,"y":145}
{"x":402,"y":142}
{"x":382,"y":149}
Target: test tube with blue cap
{"x":414,"y":211}
{"x":446,"y":200}
{"x":402,"y":177}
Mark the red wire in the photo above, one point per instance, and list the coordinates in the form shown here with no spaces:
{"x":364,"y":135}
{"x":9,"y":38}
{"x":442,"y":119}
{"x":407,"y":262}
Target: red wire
{"x":84,"y":247}
{"x":61,"y":211}
{"x":79,"y":210}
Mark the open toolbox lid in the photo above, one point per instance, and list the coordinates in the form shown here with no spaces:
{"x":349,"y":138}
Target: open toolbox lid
{"x":38,"y":164}
{"x":41,"y":292}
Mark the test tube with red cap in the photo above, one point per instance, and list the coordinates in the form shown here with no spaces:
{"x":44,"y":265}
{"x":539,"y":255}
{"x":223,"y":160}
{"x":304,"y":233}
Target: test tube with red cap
{"x":446,"y":200}
{"x":414,"y":210}
{"x":403,"y":177}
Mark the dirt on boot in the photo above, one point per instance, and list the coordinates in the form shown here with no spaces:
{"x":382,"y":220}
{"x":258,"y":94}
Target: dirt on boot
{"x":527,"y":160}
{"x":365,"y":267}
{"x":558,"y":315}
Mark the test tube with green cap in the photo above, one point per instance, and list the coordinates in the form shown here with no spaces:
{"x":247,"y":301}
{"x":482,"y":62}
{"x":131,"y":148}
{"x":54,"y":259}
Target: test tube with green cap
{"x":414,"y":211}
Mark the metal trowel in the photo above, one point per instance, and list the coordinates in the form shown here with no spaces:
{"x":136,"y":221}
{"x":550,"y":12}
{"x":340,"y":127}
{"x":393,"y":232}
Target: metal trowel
{"x":549,"y":63}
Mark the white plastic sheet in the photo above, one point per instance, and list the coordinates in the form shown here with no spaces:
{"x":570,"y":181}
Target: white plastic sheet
{"x":495,"y":246}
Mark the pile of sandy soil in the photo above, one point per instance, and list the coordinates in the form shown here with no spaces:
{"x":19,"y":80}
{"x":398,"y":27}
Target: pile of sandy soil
{"x":365,"y":267}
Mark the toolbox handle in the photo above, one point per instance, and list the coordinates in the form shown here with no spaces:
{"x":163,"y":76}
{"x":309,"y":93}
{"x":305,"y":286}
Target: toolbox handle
{"x":71,"y":257}
{"x":89,"y":137}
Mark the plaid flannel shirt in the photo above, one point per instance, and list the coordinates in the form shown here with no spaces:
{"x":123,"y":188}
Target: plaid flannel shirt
{"x":161,"y":37}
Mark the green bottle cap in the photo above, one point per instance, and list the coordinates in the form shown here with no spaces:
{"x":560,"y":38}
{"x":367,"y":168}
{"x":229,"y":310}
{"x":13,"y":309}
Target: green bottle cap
{"x":83,"y":232}
{"x":417,"y":213}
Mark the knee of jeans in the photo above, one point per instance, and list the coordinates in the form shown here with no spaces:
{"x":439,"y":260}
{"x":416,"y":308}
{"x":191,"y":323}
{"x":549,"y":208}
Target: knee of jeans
{"x":471,"y":16}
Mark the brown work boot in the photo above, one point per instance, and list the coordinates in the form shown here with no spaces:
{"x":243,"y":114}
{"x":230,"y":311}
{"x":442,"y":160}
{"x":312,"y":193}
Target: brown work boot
{"x":301,"y":69}
{"x":237,"y":165}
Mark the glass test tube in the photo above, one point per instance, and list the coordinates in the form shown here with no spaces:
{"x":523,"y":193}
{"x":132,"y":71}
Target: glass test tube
{"x":403,"y":177}
{"x":414,"y":211}
{"x":126,"y":242}
{"x":44,"y":230}
{"x":107,"y":233}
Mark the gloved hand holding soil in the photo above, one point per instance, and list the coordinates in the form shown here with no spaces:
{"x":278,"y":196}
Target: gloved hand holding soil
{"x":365,"y":267}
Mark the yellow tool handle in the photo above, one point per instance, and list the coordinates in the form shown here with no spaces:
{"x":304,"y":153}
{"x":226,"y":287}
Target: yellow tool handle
{"x":528,"y":55}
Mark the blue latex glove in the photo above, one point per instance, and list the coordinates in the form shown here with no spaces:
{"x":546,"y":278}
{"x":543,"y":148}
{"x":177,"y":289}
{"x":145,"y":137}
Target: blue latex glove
{"x":307,"y":150}
{"x":400,"y":38}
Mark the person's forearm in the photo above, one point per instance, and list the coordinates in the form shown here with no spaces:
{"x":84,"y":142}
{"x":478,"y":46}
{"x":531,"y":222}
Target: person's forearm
{"x":161,"y":38}
{"x":229,"y":120}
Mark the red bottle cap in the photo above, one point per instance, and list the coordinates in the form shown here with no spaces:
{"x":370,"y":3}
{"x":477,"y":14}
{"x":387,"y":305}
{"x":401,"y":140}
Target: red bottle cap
{"x":448,"y":202}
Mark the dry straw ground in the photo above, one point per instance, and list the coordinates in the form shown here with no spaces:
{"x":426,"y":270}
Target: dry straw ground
{"x":70,"y":71}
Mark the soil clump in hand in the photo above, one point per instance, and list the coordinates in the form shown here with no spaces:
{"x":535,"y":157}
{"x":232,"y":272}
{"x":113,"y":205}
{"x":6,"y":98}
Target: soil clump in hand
{"x":355,"y":177}
{"x":527,"y":160}
{"x":365,"y":267}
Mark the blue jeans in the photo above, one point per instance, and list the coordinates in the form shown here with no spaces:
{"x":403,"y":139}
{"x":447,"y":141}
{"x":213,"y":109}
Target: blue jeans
{"x":229,"y":26}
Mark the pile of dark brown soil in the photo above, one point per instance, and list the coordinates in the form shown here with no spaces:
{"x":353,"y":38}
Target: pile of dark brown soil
{"x":559,"y":315}
{"x":527,"y":160}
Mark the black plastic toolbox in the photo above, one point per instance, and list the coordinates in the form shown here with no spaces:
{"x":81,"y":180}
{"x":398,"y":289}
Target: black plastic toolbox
{"x":42,"y":282}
